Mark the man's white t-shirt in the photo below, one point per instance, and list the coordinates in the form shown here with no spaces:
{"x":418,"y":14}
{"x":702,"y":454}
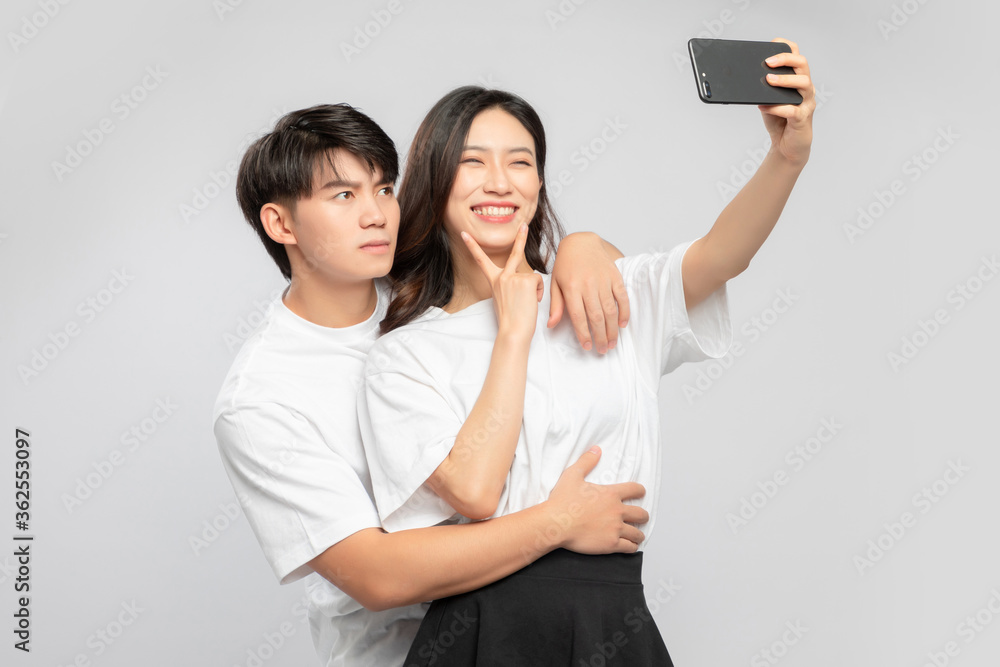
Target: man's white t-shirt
{"x":423,"y":379}
{"x":286,"y":425}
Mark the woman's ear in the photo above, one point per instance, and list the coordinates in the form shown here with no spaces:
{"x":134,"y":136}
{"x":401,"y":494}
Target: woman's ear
{"x":277,"y":222}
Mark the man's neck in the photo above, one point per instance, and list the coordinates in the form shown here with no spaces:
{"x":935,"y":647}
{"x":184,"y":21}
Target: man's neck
{"x":333,"y":306}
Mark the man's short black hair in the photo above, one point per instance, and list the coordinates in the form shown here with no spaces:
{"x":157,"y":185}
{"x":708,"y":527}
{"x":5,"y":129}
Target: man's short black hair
{"x":278,"y":168}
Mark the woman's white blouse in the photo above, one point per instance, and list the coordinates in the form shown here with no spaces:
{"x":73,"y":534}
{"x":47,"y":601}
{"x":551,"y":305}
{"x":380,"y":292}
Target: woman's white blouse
{"x":422,"y":380}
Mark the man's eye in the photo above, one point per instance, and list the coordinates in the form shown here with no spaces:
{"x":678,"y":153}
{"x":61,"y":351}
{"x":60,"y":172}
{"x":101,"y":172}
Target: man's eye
{"x":343,"y":195}
{"x":387,"y":190}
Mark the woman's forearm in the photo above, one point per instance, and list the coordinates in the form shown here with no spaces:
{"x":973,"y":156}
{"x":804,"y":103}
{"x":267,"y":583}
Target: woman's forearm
{"x":740,"y":230}
{"x":473,"y":475}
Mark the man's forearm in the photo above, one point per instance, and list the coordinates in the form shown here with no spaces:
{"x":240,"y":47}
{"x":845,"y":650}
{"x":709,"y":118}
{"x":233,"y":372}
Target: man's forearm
{"x":383,"y":570}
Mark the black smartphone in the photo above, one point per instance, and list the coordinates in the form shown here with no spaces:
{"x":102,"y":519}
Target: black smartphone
{"x":730,"y":71}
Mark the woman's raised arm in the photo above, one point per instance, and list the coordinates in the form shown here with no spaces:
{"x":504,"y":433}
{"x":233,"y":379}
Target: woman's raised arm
{"x":472,"y":477}
{"x":746,"y":222}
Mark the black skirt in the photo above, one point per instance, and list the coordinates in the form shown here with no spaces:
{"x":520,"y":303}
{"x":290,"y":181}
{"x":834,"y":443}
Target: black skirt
{"x":565,"y":609}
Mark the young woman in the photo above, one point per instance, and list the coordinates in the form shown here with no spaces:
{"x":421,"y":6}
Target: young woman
{"x":497,"y":404}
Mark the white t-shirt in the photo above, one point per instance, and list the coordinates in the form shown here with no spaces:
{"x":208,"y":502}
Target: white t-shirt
{"x":423,"y":379}
{"x":287,"y":429}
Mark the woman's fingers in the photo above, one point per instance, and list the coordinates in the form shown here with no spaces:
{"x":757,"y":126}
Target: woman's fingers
{"x":487,"y":265}
{"x":517,"y":252}
{"x":793,"y":45}
{"x":484,"y":262}
{"x":796,"y":61}
{"x":786,"y":111}
{"x":800,"y":81}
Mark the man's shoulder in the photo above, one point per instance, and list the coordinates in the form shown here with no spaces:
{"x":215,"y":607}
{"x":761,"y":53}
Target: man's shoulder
{"x":275,"y":365}
{"x":243,"y":388}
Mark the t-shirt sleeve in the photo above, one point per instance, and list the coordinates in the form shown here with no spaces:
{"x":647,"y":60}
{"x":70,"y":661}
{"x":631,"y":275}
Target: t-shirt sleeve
{"x":408,"y":429}
{"x":667,"y":333}
{"x":298,"y":493}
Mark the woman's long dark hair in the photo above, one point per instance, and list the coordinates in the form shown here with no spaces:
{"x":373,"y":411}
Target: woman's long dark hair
{"x":422,"y":271}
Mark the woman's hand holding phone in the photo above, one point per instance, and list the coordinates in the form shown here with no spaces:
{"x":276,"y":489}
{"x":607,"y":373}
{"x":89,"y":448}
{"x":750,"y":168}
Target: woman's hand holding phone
{"x":790,"y":125}
{"x":743,"y":226}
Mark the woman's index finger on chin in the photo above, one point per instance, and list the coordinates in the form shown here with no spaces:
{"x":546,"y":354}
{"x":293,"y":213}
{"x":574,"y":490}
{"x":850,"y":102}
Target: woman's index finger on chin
{"x":482,"y":260}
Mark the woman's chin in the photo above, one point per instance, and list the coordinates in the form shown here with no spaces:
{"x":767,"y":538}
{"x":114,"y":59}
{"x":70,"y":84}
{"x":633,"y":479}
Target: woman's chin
{"x":494,"y":239}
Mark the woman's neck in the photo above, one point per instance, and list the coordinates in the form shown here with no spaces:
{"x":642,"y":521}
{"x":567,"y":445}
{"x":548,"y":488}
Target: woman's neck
{"x":471,"y":284}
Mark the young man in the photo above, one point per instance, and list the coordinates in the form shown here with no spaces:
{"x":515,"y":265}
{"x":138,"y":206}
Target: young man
{"x":318,"y":190}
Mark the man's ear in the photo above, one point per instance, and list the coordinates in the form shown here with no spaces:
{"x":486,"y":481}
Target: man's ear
{"x":277,"y":221}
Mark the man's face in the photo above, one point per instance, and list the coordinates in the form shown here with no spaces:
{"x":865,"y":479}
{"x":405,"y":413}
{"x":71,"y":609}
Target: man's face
{"x":346,"y":229}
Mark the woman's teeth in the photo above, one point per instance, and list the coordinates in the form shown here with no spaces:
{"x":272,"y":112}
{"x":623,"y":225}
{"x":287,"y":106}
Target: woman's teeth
{"x":494,"y":211}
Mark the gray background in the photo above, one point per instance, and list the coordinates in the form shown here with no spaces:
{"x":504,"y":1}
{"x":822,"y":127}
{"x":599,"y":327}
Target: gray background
{"x":168,"y":330}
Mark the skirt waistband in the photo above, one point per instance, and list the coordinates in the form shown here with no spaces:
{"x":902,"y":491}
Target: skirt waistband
{"x":606,"y":568}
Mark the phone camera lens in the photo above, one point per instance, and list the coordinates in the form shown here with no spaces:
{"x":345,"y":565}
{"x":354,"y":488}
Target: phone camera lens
{"x":708,"y":90}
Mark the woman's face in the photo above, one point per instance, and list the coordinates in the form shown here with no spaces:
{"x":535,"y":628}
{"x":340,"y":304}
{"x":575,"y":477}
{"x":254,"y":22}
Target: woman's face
{"x":496,"y":185}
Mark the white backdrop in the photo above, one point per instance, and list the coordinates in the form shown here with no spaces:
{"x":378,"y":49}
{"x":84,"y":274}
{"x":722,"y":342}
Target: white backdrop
{"x":830,"y":488}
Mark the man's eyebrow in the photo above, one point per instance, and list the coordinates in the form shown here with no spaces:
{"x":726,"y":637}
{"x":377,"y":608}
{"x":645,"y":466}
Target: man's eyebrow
{"x":518,"y":149}
{"x":336,"y":183}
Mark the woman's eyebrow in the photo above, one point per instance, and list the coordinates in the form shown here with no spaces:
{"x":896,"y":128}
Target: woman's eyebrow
{"x":518,"y":149}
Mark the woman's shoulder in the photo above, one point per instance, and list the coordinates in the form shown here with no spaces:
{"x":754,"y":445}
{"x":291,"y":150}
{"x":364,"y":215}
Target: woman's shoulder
{"x":407,"y":332}
{"x":656,"y":260}
{"x":434,"y":334}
